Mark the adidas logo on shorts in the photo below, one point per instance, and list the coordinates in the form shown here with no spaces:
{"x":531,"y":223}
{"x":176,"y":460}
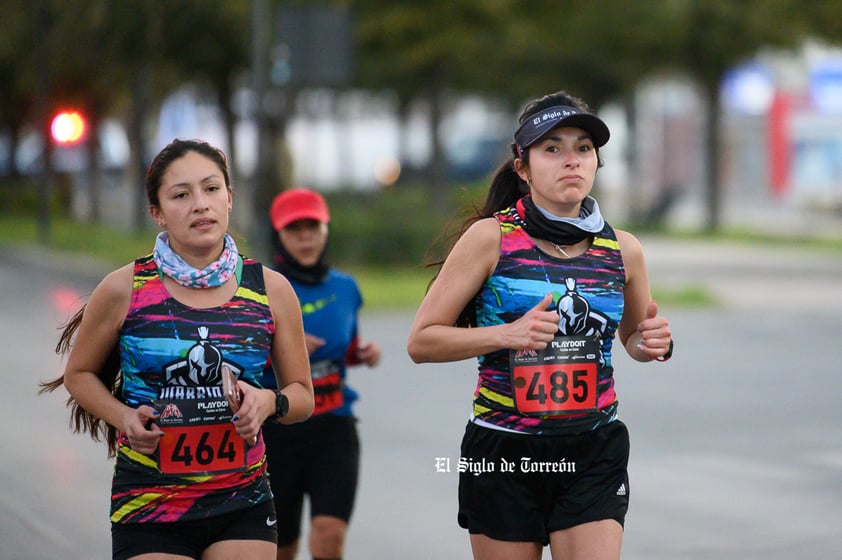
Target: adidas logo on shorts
{"x":621,"y":491}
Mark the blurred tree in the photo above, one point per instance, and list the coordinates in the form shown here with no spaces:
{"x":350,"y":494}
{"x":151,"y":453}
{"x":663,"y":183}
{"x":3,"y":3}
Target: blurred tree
{"x":823,"y":20}
{"x":427,"y":49}
{"x":599,"y":51}
{"x":82,"y":77}
{"x":595,"y":51}
{"x":506,"y":50}
{"x":129,"y":54}
{"x":97,"y":50}
{"x":18,"y":72}
{"x":724,"y":33}
{"x":132,"y":45}
{"x":110,"y":56}
{"x":603,"y":50}
{"x":208,"y":44}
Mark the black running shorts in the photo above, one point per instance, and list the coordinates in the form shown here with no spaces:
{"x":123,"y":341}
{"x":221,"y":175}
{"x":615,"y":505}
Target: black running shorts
{"x":517,"y":487}
{"x":191,"y":538}
{"x":318,"y":457}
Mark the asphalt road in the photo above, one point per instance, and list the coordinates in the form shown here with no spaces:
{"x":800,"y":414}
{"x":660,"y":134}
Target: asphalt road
{"x":736,"y":447}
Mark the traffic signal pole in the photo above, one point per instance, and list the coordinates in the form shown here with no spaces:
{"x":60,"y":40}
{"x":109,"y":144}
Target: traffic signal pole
{"x":42,"y":24}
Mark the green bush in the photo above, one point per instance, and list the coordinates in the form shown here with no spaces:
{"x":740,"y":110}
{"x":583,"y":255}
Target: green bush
{"x":381,"y":237}
{"x":20,"y":196}
{"x":393,"y":226}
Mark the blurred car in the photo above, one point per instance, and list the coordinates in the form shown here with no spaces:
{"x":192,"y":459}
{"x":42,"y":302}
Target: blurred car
{"x":476,"y":158}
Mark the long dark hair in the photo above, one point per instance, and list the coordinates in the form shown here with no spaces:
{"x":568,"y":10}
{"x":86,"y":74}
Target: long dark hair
{"x":82,"y":421}
{"x":506,"y":188}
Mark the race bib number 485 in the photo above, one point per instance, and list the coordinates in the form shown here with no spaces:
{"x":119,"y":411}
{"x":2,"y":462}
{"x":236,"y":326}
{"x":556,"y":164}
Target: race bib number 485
{"x":199,"y":438}
{"x":561,"y":379}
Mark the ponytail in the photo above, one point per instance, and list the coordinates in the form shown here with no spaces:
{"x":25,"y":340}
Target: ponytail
{"x":82,"y":421}
{"x":505,"y":190}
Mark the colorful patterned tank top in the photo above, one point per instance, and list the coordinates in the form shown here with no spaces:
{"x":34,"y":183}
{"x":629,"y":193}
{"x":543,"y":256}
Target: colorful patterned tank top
{"x":172,"y":357}
{"x":570,"y":391}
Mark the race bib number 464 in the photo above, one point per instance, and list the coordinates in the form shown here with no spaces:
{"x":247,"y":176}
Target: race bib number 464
{"x":199,"y":438}
{"x":561,"y":379}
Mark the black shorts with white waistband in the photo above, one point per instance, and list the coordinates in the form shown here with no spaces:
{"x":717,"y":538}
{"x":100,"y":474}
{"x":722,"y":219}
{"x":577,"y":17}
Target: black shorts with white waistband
{"x":517,"y":487}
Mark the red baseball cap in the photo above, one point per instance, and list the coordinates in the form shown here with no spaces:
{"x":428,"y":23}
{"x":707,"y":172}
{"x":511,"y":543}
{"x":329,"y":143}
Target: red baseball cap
{"x":298,"y":204}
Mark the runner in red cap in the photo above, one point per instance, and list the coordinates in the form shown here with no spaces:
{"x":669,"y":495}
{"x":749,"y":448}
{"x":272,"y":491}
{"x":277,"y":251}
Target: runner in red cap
{"x":298,"y":204}
{"x":318,"y":458}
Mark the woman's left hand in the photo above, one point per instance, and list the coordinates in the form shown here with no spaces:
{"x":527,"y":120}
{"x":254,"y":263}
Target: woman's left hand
{"x":368,"y":353}
{"x":655,"y":334}
{"x":254,"y":410}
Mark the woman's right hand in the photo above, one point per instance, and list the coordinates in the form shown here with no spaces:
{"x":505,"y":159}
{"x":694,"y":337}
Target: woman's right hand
{"x":534,"y":329}
{"x":141,"y":429}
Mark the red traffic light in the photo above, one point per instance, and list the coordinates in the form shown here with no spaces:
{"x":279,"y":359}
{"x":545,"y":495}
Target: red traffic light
{"x":68,"y":127}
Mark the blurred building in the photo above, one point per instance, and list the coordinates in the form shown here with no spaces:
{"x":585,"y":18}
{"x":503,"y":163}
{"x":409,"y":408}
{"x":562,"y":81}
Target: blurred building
{"x":780,"y":159}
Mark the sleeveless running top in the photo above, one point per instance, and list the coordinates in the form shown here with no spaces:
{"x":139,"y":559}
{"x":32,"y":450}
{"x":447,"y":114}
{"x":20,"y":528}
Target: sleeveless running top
{"x":174,"y":354}
{"x":588,"y":294}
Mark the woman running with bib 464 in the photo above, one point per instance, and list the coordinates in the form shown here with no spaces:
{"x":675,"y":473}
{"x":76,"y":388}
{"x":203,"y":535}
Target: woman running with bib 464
{"x":544,"y":283}
{"x":147,"y":357}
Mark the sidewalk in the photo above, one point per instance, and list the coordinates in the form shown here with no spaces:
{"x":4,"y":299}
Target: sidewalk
{"x":55,"y":262}
{"x":749,"y":276}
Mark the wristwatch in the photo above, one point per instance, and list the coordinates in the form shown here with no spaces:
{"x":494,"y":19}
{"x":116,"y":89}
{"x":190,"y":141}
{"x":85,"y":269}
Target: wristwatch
{"x":281,"y":406}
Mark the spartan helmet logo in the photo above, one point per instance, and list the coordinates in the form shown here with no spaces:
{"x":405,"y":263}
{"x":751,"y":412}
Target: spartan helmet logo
{"x":573,"y":310}
{"x":204,"y":361}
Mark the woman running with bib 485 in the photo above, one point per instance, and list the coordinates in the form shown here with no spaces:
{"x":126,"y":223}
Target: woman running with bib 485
{"x":544,"y":283}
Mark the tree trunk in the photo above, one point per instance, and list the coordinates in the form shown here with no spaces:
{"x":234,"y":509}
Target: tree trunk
{"x":138,"y":144}
{"x":225,"y":102}
{"x":712,"y":143}
{"x":633,"y":197}
{"x":42,"y":92}
{"x":438,"y":162}
{"x":94,"y":172}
